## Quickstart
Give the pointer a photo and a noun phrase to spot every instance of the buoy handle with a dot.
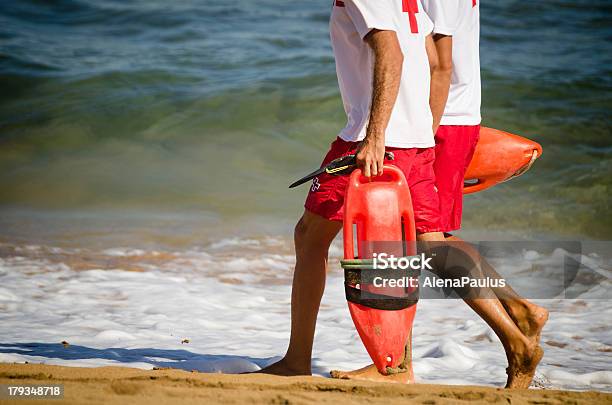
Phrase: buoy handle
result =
(391, 174)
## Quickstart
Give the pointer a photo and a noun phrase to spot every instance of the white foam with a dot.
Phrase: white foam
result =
(234, 242)
(8, 296)
(189, 312)
(114, 336)
(123, 252)
(595, 378)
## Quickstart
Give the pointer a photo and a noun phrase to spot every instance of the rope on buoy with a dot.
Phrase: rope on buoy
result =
(404, 365)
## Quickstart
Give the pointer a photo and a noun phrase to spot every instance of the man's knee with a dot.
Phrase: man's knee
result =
(300, 232)
(314, 234)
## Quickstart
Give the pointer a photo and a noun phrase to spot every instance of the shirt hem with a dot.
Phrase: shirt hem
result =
(393, 144)
(443, 31)
(460, 120)
(376, 27)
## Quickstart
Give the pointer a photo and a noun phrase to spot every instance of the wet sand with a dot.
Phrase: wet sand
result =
(114, 385)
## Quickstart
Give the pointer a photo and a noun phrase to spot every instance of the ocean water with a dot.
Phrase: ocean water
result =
(211, 108)
(145, 152)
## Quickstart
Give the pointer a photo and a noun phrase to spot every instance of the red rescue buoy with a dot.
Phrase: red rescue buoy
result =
(380, 210)
(499, 156)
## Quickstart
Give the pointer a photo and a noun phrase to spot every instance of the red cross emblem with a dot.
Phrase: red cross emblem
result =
(411, 7)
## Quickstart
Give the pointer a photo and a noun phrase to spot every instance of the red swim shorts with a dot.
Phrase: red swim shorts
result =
(326, 195)
(455, 146)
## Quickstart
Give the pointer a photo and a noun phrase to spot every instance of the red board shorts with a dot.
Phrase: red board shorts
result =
(326, 195)
(455, 146)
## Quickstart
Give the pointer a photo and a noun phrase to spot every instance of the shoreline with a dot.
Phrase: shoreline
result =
(113, 385)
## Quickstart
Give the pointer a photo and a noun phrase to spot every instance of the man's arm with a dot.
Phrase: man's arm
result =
(388, 61)
(440, 54)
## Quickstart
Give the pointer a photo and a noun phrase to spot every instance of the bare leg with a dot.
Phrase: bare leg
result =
(313, 235)
(523, 354)
(529, 317)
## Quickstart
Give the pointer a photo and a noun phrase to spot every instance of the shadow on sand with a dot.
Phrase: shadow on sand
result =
(180, 359)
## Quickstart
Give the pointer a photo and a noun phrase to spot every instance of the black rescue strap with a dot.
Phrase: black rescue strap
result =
(361, 271)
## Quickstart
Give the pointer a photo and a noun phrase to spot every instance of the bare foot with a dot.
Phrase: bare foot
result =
(370, 373)
(523, 366)
(281, 367)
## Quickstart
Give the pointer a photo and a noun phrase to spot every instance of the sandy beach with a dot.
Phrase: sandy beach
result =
(113, 385)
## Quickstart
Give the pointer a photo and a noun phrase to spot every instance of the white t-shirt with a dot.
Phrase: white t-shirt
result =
(411, 119)
(461, 20)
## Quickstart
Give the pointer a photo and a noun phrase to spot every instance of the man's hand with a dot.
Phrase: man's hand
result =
(388, 61)
(371, 155)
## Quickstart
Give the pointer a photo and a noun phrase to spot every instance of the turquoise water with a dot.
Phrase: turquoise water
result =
(210, 109)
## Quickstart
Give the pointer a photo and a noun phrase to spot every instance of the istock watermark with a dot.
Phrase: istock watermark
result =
(483, 269)
(384, 261)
